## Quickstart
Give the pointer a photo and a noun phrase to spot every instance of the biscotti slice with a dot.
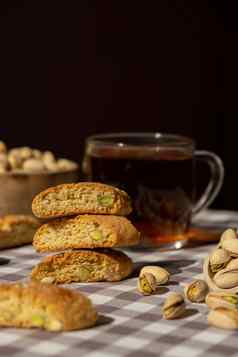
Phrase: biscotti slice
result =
(85, 231)
(44, 306)
(83, 266)
(16, 230)
(81, 198)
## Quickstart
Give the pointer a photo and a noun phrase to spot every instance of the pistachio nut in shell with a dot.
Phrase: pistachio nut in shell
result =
(161, 275)
(221, 299)
(233, 264)
(208, 277)
(226, 278)
(196, 291)
(231, 245)
(219, 259)
(146, 284)
(226, 235)
(223, 318)
(174, 306)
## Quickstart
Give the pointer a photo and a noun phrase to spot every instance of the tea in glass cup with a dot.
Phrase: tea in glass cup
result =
(159, 172)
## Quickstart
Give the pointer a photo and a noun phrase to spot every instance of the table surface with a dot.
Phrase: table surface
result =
(130, 324)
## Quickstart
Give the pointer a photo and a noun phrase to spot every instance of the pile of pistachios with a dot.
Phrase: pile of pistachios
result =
(153, 277)
(220, 271)
(221, 267)
(27, 160)
(221, 278)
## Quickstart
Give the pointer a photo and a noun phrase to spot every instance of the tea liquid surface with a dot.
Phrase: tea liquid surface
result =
(161, 185)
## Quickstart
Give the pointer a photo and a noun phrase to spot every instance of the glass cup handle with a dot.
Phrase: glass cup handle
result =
(217, 177)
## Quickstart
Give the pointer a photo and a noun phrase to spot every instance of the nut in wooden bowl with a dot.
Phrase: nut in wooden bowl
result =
(24, 172)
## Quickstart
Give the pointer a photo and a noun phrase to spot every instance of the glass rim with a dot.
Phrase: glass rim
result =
(174, 141)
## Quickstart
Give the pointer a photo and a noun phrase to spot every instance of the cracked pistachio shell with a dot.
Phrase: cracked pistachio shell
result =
(174, 306)
(37, 154)
(218, 259)
(231, 245)
(25, 152)
(65, 164)
(15, 162)
(233, 264)
(220, 299)
(226, 278)
(196, 291)
(33, 165)
(223, 318)
(228, 234)
(209, 278)
(161, 275)
(146, 284)
(48, 156)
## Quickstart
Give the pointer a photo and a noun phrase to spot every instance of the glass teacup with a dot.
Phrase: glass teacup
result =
(159, 172)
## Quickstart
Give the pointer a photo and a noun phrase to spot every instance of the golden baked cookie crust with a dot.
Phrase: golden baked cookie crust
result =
(16, 230)
(85, 231)
(83, 266)
(81, 198)
(44, 306)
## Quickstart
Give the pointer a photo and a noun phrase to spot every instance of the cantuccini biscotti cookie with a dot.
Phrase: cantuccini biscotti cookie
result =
(83, 266)
(44, 306)
(85, 231)
(81, 198)
(17, 230)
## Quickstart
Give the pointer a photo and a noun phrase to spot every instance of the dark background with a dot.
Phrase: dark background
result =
(73, 68)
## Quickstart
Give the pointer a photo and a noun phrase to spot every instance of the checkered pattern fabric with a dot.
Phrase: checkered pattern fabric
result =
(130, 324)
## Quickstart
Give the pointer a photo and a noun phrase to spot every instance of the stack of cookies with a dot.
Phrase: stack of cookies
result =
(88, 220)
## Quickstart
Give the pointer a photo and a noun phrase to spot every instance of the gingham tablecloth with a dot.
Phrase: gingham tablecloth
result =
(130, 324)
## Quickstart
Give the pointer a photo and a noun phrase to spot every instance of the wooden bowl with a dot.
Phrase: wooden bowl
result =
(17, 189)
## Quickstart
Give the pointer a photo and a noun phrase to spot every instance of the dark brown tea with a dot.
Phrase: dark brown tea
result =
(159, 172)
(161, 184)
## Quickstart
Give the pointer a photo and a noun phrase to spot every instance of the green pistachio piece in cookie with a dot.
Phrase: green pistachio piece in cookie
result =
(105, 200)
(38, 320)
(83, 273)
(96, 235)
